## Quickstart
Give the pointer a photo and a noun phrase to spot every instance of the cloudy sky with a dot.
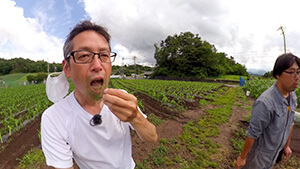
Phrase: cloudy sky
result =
(246, 30)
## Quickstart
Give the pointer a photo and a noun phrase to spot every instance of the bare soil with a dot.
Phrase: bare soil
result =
(19, 143)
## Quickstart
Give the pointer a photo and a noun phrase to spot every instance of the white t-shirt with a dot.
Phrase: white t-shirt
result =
(66, 133)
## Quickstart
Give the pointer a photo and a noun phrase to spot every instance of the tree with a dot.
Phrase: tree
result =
(186, 55)
(268, 74)
(5, 67)
(38, 78)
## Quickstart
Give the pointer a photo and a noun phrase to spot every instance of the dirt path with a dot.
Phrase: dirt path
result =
(227, 130)
(19, 145)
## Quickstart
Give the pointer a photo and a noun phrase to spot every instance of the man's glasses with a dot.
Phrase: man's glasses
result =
(294, 74)
(83, 56)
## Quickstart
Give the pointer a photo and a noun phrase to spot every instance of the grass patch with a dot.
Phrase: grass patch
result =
(155, 119)
(33, 159)
(289, 164)
(248, 108)
(230, 77)
(248, 118)
(202, 103)
(238, 141)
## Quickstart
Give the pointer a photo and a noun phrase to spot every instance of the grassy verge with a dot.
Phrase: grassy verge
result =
(34, 159)
(194, 148)
(230, 77)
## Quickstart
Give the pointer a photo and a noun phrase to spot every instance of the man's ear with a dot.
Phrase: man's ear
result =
(66, 68)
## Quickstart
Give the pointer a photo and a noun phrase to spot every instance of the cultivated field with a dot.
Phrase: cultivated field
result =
(200, 125)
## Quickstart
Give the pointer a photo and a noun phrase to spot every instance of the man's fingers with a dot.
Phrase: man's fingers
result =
(123, 114)
(119, 93)
(114, 100)
(125, 110)
(287, 153)
(110, 100)
(116, 97)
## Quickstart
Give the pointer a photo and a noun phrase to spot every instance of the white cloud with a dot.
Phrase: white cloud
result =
(126, 56)
(25, 37)
(258, 42)
(246, 30)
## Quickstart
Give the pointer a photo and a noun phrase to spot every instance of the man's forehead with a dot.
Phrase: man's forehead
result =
(90, 39)
(294, 67)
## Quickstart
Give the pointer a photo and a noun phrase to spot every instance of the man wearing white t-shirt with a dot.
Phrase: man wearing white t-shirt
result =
(92, 124)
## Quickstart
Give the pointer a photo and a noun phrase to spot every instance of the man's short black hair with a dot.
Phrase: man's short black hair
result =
(84, 25)
(283, 62)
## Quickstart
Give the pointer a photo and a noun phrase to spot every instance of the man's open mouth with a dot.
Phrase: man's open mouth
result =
(97, 82)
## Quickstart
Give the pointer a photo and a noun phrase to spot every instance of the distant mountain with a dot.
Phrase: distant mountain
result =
(259, 72)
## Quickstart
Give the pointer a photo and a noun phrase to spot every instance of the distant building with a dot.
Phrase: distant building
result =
(147, 74)
(115, 76)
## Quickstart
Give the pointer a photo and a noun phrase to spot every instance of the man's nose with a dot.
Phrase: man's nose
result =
(297, 75)
(97, 63)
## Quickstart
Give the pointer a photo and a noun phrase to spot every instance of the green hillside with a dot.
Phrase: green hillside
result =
(16, 77)
(13, 79)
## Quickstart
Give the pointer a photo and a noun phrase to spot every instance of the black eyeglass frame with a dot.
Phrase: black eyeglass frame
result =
(294, 74)
(112, 56)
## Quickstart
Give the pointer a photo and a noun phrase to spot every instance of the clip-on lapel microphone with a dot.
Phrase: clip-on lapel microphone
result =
(96, 120)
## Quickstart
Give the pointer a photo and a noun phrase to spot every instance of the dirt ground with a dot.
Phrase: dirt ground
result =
(19, 143)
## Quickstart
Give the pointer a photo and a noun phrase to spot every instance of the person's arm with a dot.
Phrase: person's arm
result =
(260, 118)
(124, 106)
(57, 153)
(145, 129)
(287, 150)
(241, 160)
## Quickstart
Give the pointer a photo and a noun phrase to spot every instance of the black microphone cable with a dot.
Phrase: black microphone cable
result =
(96, 120)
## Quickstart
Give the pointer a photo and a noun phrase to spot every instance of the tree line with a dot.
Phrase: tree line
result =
(186, 55)
(21, 65)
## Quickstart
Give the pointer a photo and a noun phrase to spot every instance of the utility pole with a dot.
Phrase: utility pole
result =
(281, 28)
(134, 59)
(122, 73)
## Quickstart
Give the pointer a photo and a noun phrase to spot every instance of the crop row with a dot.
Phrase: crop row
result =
(16, 99)
(174, 94)
(184, 89)
(258, 86)
(20, 105)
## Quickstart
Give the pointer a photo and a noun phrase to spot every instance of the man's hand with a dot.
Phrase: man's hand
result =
(123, 105)
(287, 152)
(240, 162)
